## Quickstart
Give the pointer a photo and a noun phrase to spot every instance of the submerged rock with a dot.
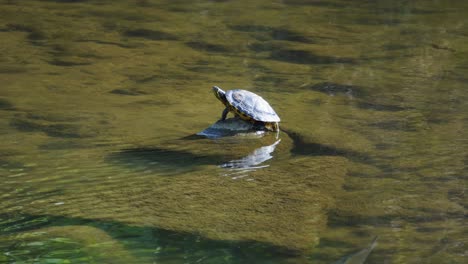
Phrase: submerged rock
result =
(88, 237)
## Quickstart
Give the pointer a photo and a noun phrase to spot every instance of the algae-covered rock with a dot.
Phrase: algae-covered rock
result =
(284, 207)
(97, 244)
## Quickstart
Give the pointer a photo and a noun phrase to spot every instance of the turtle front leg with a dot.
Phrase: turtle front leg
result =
(224, 115)
(276, 126)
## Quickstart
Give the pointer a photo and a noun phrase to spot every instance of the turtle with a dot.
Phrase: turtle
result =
(249, 107)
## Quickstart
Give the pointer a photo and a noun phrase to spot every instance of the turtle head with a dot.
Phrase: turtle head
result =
(220, 94)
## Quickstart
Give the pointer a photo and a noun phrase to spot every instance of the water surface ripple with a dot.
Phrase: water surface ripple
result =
(101, 101)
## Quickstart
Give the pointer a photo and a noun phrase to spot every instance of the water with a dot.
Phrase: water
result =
(100, 100)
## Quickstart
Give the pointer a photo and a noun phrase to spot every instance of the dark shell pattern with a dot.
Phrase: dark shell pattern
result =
(252, 105)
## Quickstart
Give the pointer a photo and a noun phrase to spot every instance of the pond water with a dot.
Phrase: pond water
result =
(100, 101)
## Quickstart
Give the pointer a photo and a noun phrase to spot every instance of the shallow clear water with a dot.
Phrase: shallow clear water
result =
(99, 102)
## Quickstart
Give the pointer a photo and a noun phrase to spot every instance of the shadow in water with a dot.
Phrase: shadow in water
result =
(6, 105)
(175, 161)
(149, 34)
(306, 57)
(240, 150)
(302, 147)
(170, 162)
(263, 32)
(110, 241)
(207, 47)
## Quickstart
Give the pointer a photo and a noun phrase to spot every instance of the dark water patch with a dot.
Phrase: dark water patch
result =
(458, 195)
(380, 107)
(424, 229)
(378, 20)
(264, 46)
(62, 145)
(386, 58)
(390, 171)
(317, 3)
(149, 34)
(132, 92)
(61, 51)
(398, 10)
(361, 175)
(14, 223)
(395, 125)
(307, 57)
(180, 8)
(52, 117)
(12, 69)
(65, 131)
(113, 16)
(268, 33)
(396, 46)
(7, 164)
(35, 35)
(66, 1)
(158, 159)
(285, 34)
(333, 89)
(37, 38)
(154, 102)
(19, 27)
(25, 126)
(142, 78)
(6, 105)
(251, 28)
(302, 147)
(102, 42)
(64, 52)
(68, 62)
(442, 47)
(208, 47)
(337, 220)
(52, 130)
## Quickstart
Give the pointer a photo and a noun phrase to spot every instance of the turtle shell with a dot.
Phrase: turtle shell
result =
(251, 105)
